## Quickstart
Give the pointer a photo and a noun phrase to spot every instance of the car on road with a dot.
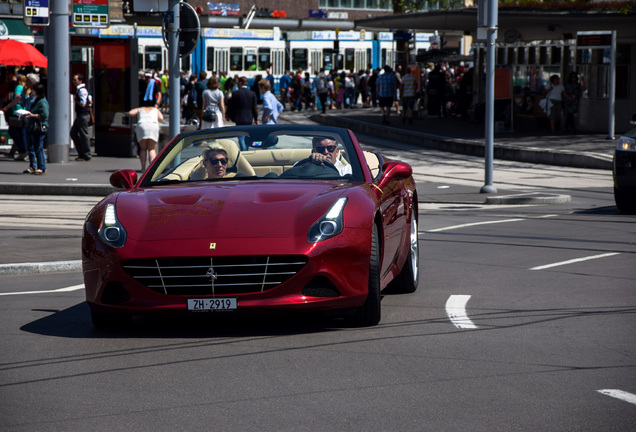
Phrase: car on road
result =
(302, 219)
(624, 171)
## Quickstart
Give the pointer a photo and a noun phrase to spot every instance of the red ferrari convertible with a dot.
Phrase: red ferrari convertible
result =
(254, 218)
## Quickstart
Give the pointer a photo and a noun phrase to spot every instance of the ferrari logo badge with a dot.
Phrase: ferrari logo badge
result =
(212, 245)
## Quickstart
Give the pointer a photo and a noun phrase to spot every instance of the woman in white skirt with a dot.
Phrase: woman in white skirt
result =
(213, 102)
(147, 131)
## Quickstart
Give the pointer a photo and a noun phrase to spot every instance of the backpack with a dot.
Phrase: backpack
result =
(322, 86)
(192, 97)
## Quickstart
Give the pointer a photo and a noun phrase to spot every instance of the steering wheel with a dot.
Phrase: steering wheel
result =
(309, 168)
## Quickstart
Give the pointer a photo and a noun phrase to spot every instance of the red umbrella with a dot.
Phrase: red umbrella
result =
(14, 53)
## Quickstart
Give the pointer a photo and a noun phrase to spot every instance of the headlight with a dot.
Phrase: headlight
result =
(626, 144)
(328, 225)
(111, 231)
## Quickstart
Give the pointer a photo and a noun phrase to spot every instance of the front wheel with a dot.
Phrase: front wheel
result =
(408, 279)
(625, 203)
(369, 313)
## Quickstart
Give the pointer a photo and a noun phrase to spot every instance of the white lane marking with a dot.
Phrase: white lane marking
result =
(543, 267)
(456, 311)
(474, 224)
(619, 394)
(67, 289)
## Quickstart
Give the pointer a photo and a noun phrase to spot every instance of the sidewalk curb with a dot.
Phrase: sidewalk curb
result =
(55, 189)
(44, 267)
(467, 147)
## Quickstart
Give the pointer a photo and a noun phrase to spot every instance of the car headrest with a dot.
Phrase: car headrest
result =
(232, 150)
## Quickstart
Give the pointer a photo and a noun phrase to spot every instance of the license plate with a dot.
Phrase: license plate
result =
(213, 304)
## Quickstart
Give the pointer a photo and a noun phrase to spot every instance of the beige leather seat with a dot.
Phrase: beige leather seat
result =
(236, 162)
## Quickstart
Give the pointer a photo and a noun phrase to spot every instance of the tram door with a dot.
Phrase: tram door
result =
(278, 62)
(360, 60)
(316, 61)
(222, 60)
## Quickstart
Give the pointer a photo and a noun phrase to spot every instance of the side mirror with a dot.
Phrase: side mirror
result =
(394, 171)
(124, 179)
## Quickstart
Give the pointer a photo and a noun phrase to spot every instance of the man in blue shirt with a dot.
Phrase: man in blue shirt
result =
(284, 87)
(271, 107)
(386, 85)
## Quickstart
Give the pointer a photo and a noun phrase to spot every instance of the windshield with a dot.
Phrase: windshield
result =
(253, 152)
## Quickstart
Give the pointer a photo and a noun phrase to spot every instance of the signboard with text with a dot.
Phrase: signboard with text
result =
(90, 13)
(36, 12)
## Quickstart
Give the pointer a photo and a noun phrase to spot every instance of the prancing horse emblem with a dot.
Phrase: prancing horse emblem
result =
(211, 274)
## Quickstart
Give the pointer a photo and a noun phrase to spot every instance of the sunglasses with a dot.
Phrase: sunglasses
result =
(321, 149)
(222, 161)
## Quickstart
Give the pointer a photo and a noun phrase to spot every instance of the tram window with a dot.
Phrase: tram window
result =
(359, 4)
(264, 58)
(327, 58)
(511, 56)
(532, 55)
(153, 58)
(209, 59)
(185, 63)
(299, 59)
(555, 55)
(543, 55)
(249, 59)
(236, 59)
(350, 59)
(501, 56)
(521, 55)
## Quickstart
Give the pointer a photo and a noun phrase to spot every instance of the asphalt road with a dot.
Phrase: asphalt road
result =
(524, 320)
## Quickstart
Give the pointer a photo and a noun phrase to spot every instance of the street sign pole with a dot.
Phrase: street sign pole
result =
(58, 94)
(174, 68)
(491, 35)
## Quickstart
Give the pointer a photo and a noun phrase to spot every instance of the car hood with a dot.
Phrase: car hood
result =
(229, 209)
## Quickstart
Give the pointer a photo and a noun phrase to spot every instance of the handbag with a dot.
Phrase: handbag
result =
(37, 127)
(209, 115)
(15, 121)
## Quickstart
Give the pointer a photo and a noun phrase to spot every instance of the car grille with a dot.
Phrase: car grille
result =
(214, 275)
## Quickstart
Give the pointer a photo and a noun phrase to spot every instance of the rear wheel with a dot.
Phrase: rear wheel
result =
(408, 279)
(369, 313)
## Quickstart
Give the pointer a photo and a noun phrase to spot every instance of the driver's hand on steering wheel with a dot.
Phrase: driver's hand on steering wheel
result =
(319, 158)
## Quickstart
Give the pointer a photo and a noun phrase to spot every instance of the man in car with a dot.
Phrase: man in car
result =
(326, 149)
(215, 161)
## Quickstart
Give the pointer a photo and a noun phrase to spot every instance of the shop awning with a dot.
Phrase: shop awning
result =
(13, 28)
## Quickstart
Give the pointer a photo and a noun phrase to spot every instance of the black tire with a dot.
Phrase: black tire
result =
(104, 320)
(408, 279)
(625, 203)
(369, 313)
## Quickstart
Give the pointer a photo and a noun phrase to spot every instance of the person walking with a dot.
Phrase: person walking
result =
(554, 96)
(38, 115)
(213, 105)
(271, 107)
(573, 92)
(407, 91)
(200, 86)
(386, 88)
(79, 130)
(283, 84)
(29, 103)
(147, 132)
(16, 123)
(320, 84)
(243, 109)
